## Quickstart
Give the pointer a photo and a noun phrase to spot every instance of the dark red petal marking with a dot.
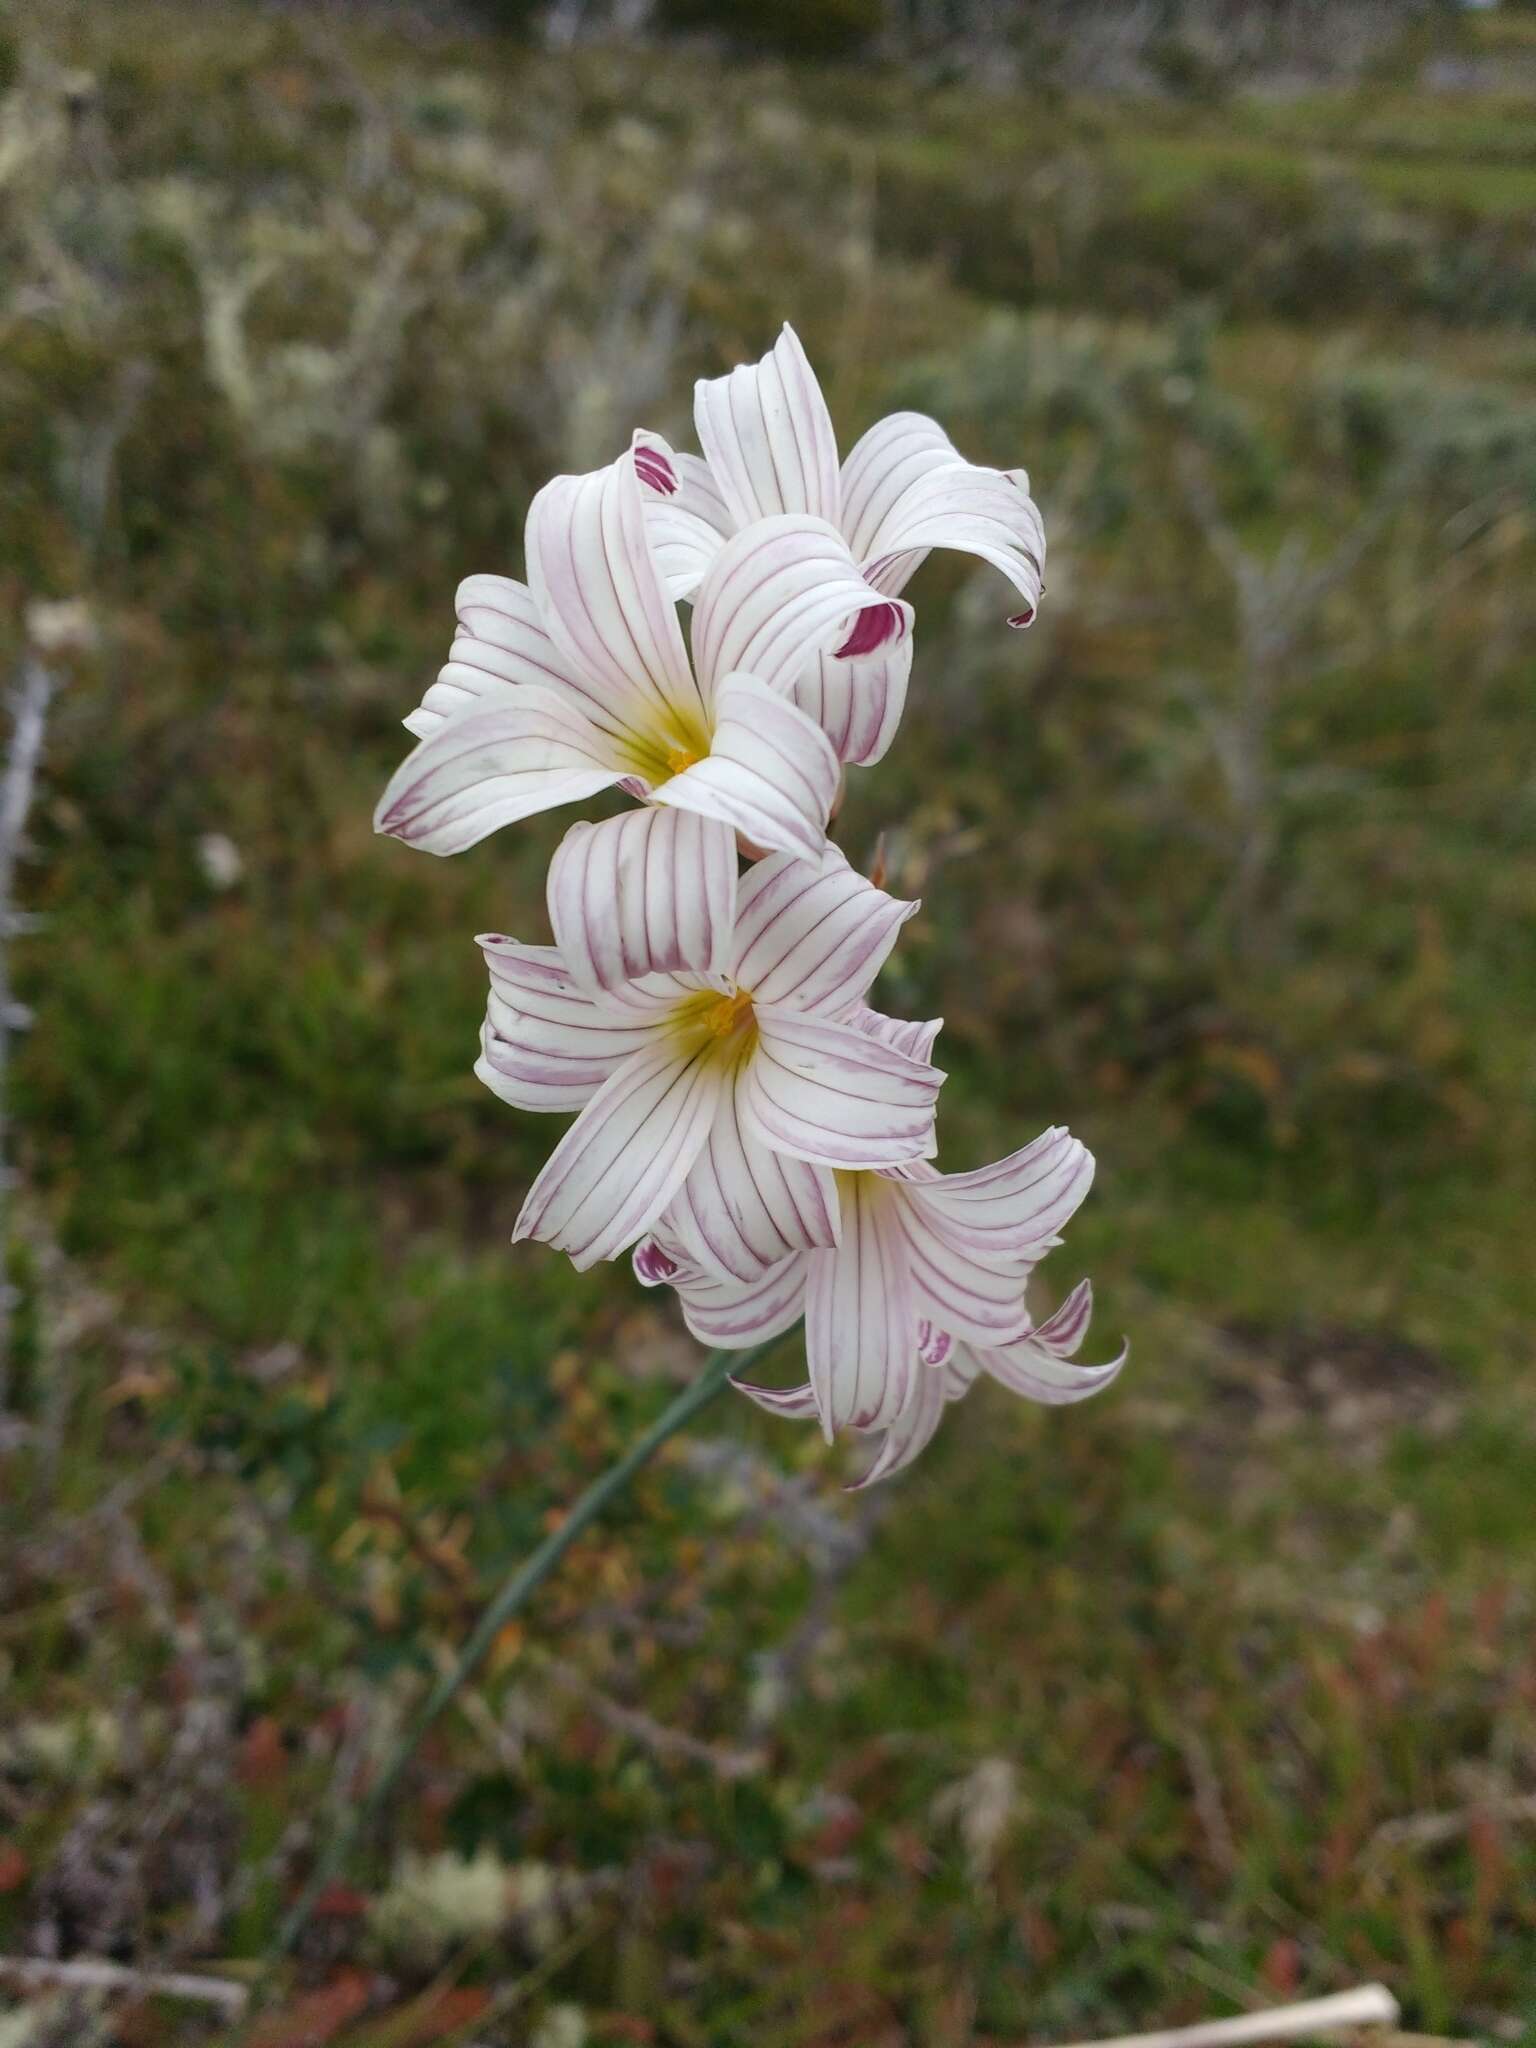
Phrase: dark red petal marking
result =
(1023, 618)
(876, 624)
(652, 1265)
(653, 468)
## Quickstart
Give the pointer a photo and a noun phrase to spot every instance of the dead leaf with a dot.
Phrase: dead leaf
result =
(318, 2017)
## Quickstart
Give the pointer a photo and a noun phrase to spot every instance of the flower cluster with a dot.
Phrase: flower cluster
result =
(746, 1122)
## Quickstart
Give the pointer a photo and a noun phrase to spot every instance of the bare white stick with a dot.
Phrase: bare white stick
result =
(86, 1974)
(1370, 2005)
(29, 705)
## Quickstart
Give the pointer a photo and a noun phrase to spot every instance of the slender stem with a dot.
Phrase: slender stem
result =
(514, 1595)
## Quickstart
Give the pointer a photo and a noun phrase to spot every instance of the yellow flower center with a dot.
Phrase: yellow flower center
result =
(728, 1014)
(679, 758)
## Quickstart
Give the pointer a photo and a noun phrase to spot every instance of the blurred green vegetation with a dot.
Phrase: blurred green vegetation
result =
(1095, 1721)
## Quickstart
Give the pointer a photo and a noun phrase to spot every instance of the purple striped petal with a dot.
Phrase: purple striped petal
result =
(798, 1404)
(490, 768)
(626, 1155)
(546, 1043)
(1013, 1209)
(1037, 1374)
(769, 774)
(964, 1292)
(685, 515)
(603, 598)
(652, 891)
(733, 1314)
(858, 704)
(743, 1208)
(812, 937)
(1063, 1332)
(822, 1091)
(915, 1040)
(501, 642)
(907, 488)
(859, 1318)
(911, 1432)
(782, 591)
(768, 437)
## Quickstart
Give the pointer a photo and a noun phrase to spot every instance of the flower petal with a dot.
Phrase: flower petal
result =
(602, 596)
(955, 1285)
(915, 1040)
(798, 1404)
(812, 937)
(743, 1208)
(625, 1156)
(857, 703)
(501, 642)
(1063, 1332)
(782, 591)
(651, 891)
(546, 1044)
(769, 774)
(685, 515)
(822, 1091)
(490, 768)
(911, 1432)
(1011, 1210)
(733, 1314)
(1028, 1368)
(907, 488)
(859, 1322)
(768, 436)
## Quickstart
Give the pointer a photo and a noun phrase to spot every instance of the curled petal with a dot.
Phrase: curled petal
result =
(736, 1314)
(1063, 1332)
(1038, 1374)
(915, 1040)
(857, 703)
(859, 1319)
(743, 1208)
(546, 1044)
(685, 515)
(812, 936)
(768, 437)
(1012, 1210)
(911, 1432)
(769, 774)
(501, 642)
(906, 488)
(486, 769)
(956, 1286)
(822, 1091)
(782, 591)
(652, 891)
(798, 1404)
(625, 1156)
(607, 608)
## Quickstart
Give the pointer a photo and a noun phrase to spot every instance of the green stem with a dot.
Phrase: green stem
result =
(512, 1598)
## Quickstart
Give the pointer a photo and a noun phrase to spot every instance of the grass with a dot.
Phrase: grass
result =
(1095, 1721)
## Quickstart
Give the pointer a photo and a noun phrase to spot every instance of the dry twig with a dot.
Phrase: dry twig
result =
(1369, 2005)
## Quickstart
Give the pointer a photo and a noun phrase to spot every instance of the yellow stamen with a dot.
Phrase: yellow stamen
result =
(679, 758)
(729, 1014)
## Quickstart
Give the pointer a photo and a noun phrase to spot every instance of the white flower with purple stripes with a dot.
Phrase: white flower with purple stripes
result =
(1037, 1367)
(580, 680)
(922, 1260)
(770, 450)
(725, 1099)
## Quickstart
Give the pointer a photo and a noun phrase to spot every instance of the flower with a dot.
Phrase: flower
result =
(1036, 1366)
(770, 449)
(923, 1259)
(580, 680)
(733, 1096)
